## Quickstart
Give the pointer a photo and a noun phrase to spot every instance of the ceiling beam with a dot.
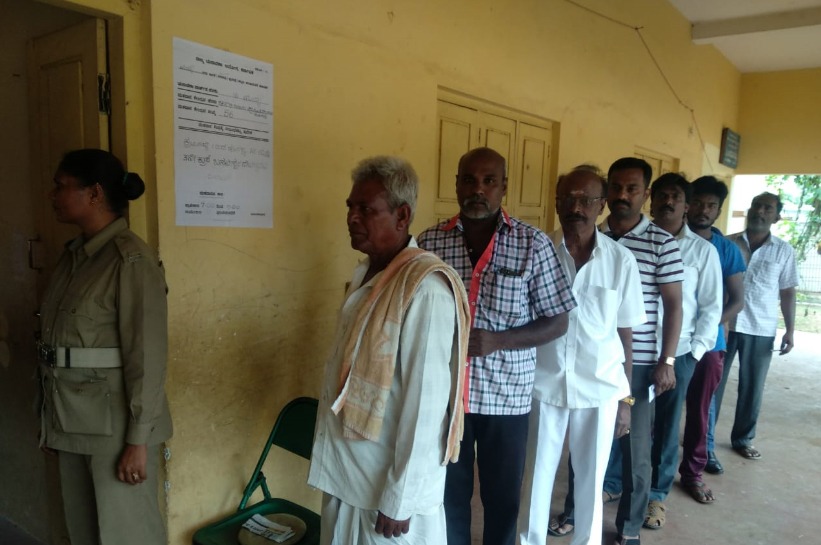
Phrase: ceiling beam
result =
(706, 31)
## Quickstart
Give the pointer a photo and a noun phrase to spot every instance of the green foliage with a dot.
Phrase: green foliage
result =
(804, 191)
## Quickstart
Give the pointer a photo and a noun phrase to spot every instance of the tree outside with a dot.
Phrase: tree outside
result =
(803, 191)
(801, 227)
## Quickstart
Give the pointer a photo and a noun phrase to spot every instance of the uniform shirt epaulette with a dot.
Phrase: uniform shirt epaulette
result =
(131, 248)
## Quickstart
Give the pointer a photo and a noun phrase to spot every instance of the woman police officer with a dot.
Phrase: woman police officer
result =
(103, 358)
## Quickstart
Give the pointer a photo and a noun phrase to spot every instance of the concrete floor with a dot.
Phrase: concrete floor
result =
(12, 535)
(767, 501)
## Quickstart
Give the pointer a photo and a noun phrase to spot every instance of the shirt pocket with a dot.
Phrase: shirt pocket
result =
(598, 307)
(764, 277)
(507, 293)
(82, 406)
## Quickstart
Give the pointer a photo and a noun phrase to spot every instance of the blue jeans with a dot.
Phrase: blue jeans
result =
(666, 426)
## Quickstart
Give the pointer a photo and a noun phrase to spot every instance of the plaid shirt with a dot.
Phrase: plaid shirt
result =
(517, 279)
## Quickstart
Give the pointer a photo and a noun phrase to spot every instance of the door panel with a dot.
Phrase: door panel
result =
(534, 152)
(65, 115)
(525, 145)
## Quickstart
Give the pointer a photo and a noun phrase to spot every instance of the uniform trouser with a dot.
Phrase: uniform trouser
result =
(590, 436)
(666, 427)
(101, 510)
(703, 385)
(501, 442)
(633, 503)
(754, 357)
(344, 524)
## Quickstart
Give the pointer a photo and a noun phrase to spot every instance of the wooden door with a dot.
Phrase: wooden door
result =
(532, 192)
(67, 72)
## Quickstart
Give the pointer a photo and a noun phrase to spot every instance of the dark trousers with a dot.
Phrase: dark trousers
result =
(754, 356)
(500, 448)
(633, 503)
(706, 378)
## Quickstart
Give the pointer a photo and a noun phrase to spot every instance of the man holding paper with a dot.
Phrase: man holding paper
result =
(390, 411)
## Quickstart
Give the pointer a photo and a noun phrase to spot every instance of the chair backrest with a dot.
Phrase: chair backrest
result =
(294, 428)
(293, 431)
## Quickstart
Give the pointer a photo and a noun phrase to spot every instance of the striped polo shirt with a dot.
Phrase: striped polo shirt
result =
(659, 260)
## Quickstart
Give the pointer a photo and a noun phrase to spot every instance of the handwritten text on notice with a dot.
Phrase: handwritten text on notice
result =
(223, 138)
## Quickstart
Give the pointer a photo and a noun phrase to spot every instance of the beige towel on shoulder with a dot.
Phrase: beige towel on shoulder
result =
(369, 354)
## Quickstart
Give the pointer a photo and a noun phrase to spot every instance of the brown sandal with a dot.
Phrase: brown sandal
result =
(699, 492)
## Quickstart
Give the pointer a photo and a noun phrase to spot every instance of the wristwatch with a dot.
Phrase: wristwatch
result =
(669, 360)
(630, 400)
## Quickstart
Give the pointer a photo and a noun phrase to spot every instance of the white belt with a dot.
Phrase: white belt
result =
(64, 356)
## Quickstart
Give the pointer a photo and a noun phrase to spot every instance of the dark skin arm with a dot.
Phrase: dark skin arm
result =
(389, 527)
(538, 332)
(734, 300)
(788, 311)
(664, 376)
(623, 416)
(132, 462)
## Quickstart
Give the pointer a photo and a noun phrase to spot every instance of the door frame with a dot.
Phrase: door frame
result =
(132, 102)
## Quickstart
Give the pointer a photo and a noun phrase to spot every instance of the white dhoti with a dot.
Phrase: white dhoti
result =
(343, 524)
(590, 439)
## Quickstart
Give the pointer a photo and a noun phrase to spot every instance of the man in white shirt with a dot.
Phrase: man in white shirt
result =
(581, 376)
(701, 296)
(384, 428)
(769, 282)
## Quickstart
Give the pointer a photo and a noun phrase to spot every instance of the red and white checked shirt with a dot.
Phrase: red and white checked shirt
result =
(517, 279)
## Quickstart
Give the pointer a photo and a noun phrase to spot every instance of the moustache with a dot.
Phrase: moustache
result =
(615, 203)
(571, 217)
(475, 200)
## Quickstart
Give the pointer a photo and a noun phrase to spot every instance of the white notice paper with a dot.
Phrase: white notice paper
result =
(270, 530)
(223, 138)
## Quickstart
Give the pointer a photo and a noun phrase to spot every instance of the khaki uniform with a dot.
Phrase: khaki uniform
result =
(108, 292)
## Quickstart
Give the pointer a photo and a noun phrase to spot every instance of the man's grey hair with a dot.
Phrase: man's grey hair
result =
(397, 175)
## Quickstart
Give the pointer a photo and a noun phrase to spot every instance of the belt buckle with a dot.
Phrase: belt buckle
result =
(46, 353)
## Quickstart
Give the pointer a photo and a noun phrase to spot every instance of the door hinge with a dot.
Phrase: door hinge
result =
(104, 93)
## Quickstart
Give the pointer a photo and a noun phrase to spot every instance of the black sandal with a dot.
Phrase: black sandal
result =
(554, 527)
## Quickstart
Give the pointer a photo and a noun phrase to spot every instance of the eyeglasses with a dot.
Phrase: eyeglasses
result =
(586, 202)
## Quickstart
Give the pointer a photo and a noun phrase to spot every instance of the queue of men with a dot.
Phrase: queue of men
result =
(487, 342)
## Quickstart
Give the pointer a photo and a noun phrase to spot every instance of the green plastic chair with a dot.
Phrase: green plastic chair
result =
(293, 431)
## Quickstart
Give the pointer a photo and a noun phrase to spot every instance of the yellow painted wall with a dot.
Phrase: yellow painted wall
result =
(252, 310)
(779, 120)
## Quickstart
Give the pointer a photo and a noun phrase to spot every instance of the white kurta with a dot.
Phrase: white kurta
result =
(401, 474)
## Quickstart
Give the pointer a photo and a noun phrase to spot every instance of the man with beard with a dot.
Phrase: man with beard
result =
(770, 281)
(519, 299)
(701, 311)
(581, 376)
(705, 207)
